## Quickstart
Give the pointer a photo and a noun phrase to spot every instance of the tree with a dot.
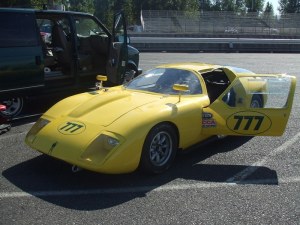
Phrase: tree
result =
(269, 9)
(81, 6)
(254, 5)
(105, 10)
(268, 12)
(228, 5)
(205, 5)
(289, 6)
(183, 5)
(15, 3)
(217, 5)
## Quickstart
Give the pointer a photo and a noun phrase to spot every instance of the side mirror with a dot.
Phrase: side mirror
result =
(181, 88)
(100, 78)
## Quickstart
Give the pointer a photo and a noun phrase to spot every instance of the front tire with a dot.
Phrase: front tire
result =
(14, 106)
(159, 149)
(129, 75)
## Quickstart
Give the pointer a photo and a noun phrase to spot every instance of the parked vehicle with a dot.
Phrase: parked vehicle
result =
(45, 52)
(144, 123)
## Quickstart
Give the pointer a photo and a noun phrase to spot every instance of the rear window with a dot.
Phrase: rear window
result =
(17, 29)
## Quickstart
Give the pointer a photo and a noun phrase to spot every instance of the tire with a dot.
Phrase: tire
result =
(129, 75)
(14, 106)
(159, 149)
(256, 102)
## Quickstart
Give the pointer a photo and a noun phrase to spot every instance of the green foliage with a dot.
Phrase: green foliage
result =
(183, 5)
(254, 5)
(15, 3)
(269, 8)
(105, 9)
(81, 6)
(268, 12)
(289, 6)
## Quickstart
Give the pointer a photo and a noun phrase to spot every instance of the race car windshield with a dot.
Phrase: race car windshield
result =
(161, 80)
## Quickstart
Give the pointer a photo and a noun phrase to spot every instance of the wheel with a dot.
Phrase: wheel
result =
(256, 102)
(159, 149)
(13, 107)
(129, 75)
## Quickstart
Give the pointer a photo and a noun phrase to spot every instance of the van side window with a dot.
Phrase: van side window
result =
(17, 30)
(92, 45)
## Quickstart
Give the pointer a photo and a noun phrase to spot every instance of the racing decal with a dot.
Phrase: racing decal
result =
(249, 123)
(208, 120)
(71, 128)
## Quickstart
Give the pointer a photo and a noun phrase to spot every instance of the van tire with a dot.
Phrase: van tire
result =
(14, 107)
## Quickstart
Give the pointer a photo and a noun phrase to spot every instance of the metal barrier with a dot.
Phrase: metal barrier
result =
(165, 21)
(174, 44)
(217, 32)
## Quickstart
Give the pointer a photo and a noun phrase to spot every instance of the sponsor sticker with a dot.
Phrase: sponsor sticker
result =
(208, 120)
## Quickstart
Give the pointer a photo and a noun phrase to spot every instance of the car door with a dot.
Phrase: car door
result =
(118, 51)
(252, 106)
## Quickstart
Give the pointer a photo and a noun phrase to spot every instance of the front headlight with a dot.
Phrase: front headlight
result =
(40, 124)
(101, 146)
(112, 141)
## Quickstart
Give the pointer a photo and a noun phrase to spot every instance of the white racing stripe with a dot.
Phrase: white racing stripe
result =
(239, 177)
(143, 189)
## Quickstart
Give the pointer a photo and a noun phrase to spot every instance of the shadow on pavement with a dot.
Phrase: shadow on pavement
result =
(91, 191)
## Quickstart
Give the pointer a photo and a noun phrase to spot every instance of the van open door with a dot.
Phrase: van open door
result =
(257, 105)
(118, 51)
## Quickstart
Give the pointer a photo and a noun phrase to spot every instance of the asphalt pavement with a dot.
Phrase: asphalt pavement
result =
(236, 180)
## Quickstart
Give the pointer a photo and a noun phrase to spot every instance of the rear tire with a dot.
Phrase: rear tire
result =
(159, 149)
(256, 102)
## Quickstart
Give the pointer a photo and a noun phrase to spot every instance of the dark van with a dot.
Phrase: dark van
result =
(57, 52)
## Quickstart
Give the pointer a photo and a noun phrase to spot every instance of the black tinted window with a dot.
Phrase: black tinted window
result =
(17, 29)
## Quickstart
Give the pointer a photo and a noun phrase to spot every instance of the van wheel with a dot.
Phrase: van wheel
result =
(13, 107)
(129, 75)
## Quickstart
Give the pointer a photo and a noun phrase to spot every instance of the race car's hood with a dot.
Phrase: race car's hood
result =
(101, 108)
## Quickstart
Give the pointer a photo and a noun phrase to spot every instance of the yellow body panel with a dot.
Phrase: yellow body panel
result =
(79, 128)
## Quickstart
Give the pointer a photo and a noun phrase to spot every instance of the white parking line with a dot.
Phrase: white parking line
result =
(239, 177)
(142, 189)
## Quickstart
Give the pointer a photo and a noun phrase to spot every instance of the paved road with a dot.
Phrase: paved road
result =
(237, 180)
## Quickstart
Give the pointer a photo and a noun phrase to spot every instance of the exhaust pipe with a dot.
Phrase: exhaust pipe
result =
(76, 169)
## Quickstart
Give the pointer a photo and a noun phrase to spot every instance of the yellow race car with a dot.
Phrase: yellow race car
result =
(144, 123)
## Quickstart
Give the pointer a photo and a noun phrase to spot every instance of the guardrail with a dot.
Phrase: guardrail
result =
(184, 44)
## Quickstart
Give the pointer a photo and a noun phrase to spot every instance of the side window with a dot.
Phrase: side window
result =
(92, 45)
(57, 44)
(216, 82)
(86, 27)
(259, 92)
(17, 29)
(45, 27)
